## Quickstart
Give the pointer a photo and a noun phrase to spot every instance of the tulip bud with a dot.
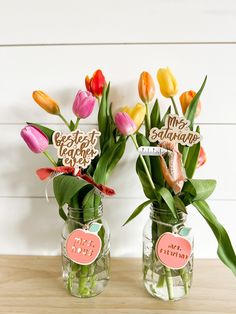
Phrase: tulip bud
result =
(185, 100)
(46, 102)
(167, 82)
(125, 124)
(137, 113)
(96, 83)
(201, 158)
(36, 140)
(146, 87)
(83, 104)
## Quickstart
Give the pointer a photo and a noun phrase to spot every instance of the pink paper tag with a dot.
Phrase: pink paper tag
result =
(83, 247)
(173, 250)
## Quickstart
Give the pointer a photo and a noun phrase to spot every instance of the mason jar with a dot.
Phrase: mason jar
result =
(167, 255)
(85, 248)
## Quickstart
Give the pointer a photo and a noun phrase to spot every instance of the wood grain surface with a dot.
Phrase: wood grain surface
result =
(32, 284)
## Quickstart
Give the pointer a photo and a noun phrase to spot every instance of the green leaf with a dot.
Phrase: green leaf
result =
(97, 200)
(142, 141)
(152, 162)
(192, 158)
(62, 214)
(91, 168)
(179, 204)
(157, 176)
(110, 113)
(72, 125)
(109, 160)
(155, 115)
(105, 122)
(109, 139)
(199, 189)
(89, 211)
(88, 200)
(65, 187)
(225, 249)
(192, 108)
(169, 200)
(103, 116)
(162, 123)
(118, 151)
(147, 188)
(90, 205)
(48, 132)
(137, 211)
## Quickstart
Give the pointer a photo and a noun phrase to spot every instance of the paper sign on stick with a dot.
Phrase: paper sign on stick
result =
(76, 149)
(176, 130)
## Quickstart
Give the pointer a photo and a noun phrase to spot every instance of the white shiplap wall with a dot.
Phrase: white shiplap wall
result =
(51, 45)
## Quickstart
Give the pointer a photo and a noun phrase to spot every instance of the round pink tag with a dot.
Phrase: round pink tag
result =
(83, 247)
(173, 250)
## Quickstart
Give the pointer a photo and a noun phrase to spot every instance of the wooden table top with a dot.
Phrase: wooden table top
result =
(32, 284)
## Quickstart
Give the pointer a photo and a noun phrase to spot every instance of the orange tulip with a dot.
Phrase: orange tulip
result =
(46, 102)
(202, 158)
(146, 87)
(185, 100)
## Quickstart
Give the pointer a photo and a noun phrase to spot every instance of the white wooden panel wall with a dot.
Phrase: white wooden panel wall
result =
(52, 45)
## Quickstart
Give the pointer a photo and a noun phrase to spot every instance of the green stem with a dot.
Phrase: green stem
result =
(167, 271)
(64, 120)
(69, 282)
(93, 278)
(98, 99)
(77, 123)
(161, 281)
(49, 157)
(169, 283)
(168, 275)
(147, 120)
(83, 280)
(144, 165)
(185, 279)
(174, 105)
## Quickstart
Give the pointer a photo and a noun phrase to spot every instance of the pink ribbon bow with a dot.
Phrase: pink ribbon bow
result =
(44, 173)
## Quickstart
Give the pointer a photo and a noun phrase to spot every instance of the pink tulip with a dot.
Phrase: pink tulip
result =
(125, 124)
(36, 140)
(83, 104)
(202, 158)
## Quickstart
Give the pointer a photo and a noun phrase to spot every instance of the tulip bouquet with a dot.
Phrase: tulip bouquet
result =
(83, 187)
(167, 180)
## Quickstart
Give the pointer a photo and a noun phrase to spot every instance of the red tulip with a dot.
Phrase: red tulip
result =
(96, 83)
(202, 158)
(36, 140)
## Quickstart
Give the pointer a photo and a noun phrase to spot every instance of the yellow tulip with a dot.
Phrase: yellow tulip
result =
(46, 102)
(167, 82)
(137, 113)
